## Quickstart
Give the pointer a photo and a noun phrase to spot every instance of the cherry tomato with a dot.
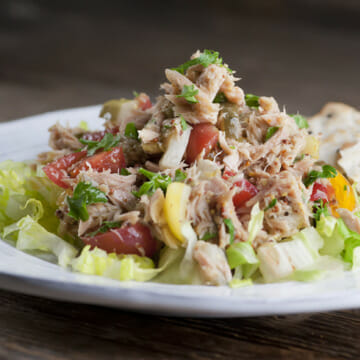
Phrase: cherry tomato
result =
(203, 136)
(98, 135)
(143, 101)
(322, 192)
(247, 191)
(129, 239)
(112, 160)
(228, 174)
(57, 170)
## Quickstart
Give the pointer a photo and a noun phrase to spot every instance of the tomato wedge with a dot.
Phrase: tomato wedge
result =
(98, 135)
(246, 191)
(57, 170)
(322, 192)
(112, 160)
(202, 137)
(129, 239)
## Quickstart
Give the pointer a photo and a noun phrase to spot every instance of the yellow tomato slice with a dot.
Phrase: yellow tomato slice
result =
(177, 197)
(344, 194)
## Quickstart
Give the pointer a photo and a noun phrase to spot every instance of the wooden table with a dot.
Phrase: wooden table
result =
(56, 55)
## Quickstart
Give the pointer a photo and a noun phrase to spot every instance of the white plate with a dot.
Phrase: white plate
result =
(23, 139)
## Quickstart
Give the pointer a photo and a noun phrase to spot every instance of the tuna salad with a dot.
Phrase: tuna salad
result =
(205, 185)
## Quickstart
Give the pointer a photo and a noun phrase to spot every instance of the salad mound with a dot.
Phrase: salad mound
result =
(207, 185)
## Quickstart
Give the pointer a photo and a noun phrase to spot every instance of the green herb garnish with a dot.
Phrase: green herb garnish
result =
(345, 187)
(105, 227)
(124, 172)
(188, 92)
(205, 59)
(300, 121)
(135, 93)
(106, 143)
(231, 230)
(270, 132)
(299, 158)
(131, 131)
(220, 98)
(273, 202)
(208, 236)
(183, 123)
(327, 172)
(156, 181)
(84, 194)
(320, 209)
(252, 100)
(179, 176)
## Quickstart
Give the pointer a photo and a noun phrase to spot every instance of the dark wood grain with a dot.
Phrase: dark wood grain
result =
(33, 328)
(62, 54)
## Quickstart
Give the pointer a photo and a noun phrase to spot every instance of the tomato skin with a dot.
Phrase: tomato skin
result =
(228, 174)
(203, 136)
(57, 170)
(112, 160)
(129, 239)
(98, 135)
(143, 102)
(248, 190)
(322, 192)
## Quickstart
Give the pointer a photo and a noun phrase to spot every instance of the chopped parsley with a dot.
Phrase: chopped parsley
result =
(84, 194)
(208, 236)
(231, 230)
(345, 187)
(135, 93)
(105, 227)
(124, 172)
(179, 176)
(299, 158)
(131, 131)
(273, 202)
(156, 181)
(300, 120)
(320, 208)
(220, 98)
(270, 132)
(206, 58)
(106, 143)
(183, 123)
(327, 172)
(188, 92)
(252, 100)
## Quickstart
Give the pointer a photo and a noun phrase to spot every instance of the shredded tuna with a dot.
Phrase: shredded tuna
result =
(213, 264)
(98, 213)
(351, 220)
(63, 138)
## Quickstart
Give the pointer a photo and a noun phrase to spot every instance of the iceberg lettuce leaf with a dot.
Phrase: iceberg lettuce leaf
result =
(32, 236)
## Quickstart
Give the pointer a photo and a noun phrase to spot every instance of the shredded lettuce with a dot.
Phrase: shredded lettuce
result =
(32, 236)
(255, 223)
(176, 268)
(241, 255)
(237, 283)
(21, 182)
(118, 267)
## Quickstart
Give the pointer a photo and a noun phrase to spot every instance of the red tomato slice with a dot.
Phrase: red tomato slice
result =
(228, 174)
(246, 192)
(57, 170)
(129, 239)
(203, 136)
(322, 192)
(143, 102)
(98, 135)
(112, 160)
